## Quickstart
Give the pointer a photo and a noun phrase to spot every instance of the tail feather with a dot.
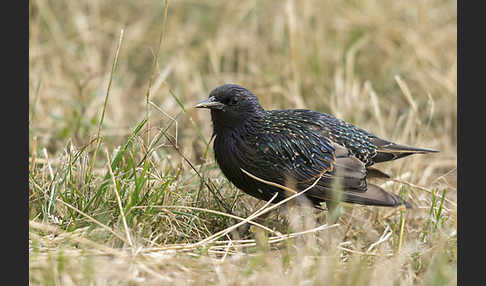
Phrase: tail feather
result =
(375, 196)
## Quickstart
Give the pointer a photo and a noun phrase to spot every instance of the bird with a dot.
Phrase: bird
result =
(260, 151)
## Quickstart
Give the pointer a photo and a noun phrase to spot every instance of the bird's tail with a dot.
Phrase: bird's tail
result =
(375, 196)
(387, 151)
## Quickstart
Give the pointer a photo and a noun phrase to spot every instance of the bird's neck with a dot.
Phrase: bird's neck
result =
(225, 125)
(234, 140)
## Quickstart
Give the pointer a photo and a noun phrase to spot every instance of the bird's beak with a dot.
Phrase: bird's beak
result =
(210, 103)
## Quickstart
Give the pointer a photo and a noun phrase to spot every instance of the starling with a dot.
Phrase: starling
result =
(299, 146)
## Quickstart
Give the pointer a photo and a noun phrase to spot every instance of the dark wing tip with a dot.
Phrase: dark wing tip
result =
(422, 150)
(399, 201)
(375, 173)
(385, 145)
(376, 196)
(407, 204)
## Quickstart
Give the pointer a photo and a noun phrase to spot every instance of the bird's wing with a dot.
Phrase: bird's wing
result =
(285, 152)
(299, 156)
(294, 146)
(347, 182)
(302, 155)
(387, 151)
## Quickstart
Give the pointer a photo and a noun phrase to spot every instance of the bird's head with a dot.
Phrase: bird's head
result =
(231, 105)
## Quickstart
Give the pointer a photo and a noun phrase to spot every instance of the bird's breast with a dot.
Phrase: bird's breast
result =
(233, 152)
(228, 156)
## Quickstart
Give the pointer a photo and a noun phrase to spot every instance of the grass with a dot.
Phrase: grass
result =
(124, 189)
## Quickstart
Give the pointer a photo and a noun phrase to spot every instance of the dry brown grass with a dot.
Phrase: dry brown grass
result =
(141, 218)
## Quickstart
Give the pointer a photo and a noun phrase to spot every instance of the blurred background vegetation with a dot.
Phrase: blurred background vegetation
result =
(389, 67)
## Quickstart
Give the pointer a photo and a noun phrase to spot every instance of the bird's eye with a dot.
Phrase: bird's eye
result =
(233, 100)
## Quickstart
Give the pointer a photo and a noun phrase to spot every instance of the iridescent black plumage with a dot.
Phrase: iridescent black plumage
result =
(298, 146)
